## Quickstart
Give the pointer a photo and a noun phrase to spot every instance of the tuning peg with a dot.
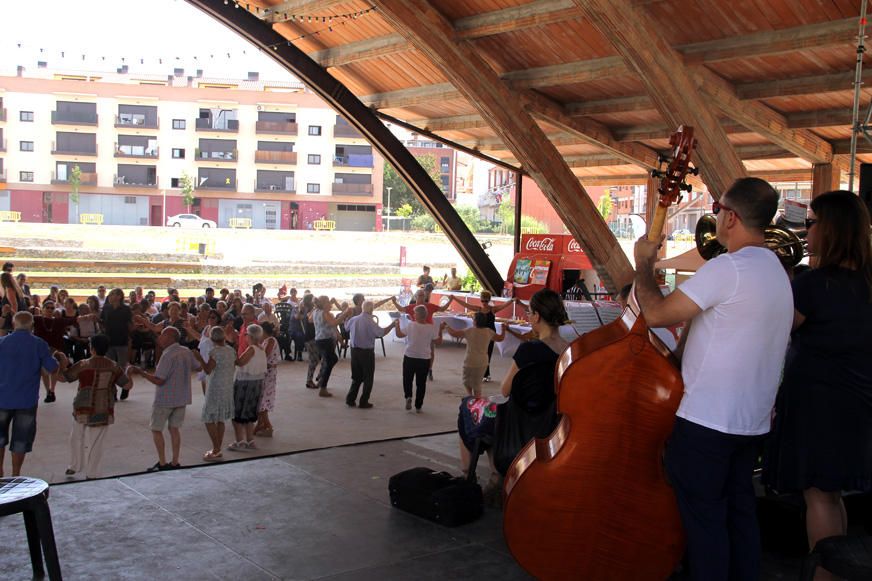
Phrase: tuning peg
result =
(694, 171)
(685, 187)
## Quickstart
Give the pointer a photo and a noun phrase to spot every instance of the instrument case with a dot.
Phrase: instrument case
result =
(437, 496)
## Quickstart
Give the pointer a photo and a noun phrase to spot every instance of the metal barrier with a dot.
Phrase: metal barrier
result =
(91, 219)
(188, 245)
(9, 216)
(240, 222)
(324, 225)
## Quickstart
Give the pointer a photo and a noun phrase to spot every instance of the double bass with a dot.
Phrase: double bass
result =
(591, 500)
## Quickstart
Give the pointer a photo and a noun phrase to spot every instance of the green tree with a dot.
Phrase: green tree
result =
(423, 222)
(605, 206)
(401, 193)
(405, 211)
(187, 183)
(75, 181)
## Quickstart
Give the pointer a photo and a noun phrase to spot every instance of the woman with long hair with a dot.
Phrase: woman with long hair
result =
(11, 294)
(822, 436)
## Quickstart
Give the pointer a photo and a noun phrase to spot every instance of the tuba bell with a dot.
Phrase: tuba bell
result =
(785, 239)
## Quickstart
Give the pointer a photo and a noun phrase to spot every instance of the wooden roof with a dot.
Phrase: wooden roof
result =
(790, 62)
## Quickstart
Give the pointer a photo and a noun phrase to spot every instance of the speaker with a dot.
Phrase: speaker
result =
(866, 185)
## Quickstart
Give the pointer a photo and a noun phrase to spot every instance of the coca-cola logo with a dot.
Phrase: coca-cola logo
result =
(573, 246)
(540, 244)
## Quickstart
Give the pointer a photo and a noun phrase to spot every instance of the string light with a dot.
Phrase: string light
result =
(328, 20)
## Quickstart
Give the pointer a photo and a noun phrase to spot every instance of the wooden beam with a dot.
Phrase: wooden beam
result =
(276, 13)
(825, 177)
(821, 118)
(455, 123)
(791, 175)
(662, 71)
(588, 130)
(530, 15)
(566, 74)
(461, 63)
(660, 131)
(772, 88)
(773, 42)
(843, 146)
(614, 105)
(352, 52)
(338, 97)
(412, 97)
(760, 118)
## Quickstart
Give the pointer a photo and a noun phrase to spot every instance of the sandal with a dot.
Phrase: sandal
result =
(237, 446)
(211, 456)
(250, 444)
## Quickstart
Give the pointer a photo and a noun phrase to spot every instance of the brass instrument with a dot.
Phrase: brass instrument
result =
(785, 239)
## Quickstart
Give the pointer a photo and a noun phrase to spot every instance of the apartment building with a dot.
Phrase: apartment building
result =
(442, 154)
(272, 154)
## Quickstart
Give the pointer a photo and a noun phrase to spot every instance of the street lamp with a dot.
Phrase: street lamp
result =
(389, 188)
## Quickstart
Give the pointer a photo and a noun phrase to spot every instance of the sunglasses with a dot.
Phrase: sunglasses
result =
(809, 222)
(717, 207)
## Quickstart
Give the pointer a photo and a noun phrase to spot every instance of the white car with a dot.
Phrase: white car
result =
(189, 221)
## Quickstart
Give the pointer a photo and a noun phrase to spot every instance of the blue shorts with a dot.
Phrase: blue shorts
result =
(23, 429)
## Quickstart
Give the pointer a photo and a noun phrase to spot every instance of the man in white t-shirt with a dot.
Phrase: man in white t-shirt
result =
(739, 308)
(420, 337)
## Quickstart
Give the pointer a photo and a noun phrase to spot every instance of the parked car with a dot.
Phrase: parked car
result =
(189, 221)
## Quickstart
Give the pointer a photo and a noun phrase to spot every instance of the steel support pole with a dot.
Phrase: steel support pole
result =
(364, 120)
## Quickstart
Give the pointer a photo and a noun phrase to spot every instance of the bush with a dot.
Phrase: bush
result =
(470, 283)
(423, 222)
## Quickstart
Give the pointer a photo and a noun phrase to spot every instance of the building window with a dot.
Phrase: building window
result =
(26, 116)
(178, 153)
(178, 123)
(129, 199)
(313, 188)
(314, 159)
(25, 176)
(314, 130)
(26, 145)
(175, 182)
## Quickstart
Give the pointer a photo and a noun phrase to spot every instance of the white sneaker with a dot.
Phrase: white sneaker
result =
(408, 403)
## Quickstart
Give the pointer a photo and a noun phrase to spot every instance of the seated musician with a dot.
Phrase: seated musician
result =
(546, 314)
(740, 310)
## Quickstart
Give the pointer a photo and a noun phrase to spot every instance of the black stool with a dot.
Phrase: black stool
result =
(846, 557)
(29, 496)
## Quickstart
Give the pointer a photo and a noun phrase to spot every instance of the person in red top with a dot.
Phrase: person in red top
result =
(51, 329)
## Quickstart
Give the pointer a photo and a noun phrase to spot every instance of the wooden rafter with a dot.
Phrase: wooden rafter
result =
(800, 86)
(761, 119)
(820, 118)
(662, 71)
(435, 36)
(276, 13)
(544, 12)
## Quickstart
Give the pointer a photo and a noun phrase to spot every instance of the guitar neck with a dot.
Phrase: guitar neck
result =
(657, 223)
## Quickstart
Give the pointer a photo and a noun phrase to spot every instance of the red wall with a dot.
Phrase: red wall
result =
(29, 203)
(535, 204)
(60, 208)
(209, 211)
(311, 211)
(379, 225)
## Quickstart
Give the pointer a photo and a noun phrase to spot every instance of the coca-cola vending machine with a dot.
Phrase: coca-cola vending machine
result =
(554, 261)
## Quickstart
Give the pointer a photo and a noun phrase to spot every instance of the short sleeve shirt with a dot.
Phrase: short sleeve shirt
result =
(117, 322)
(363, 331)
(477, 341)
(22, 357)
(175, 366)
(431, 309)
(419, 338)
(735, 348)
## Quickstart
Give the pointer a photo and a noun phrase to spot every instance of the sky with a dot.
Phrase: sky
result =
(151, 36)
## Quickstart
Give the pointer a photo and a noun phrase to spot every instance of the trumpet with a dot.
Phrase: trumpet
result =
(785, 239)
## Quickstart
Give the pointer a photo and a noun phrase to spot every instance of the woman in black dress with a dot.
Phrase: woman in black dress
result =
(822, 436)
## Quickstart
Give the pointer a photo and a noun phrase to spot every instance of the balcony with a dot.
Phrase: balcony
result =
(135, 151)
(288, 157)
(346, 131)
(2, 113)
(56, 151)
(223, 187)
(73, 118)
(230, 155)
(85, 179)
(279, 189)
(136, 121)
(283, 127)
(352, 160)
(205, 124)
(128, 182)
(2, 145)
(353, 189)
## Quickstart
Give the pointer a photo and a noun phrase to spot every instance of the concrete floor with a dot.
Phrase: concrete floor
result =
(302, 420)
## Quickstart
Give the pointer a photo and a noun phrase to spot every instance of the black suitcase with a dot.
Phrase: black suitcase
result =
(436, 496)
